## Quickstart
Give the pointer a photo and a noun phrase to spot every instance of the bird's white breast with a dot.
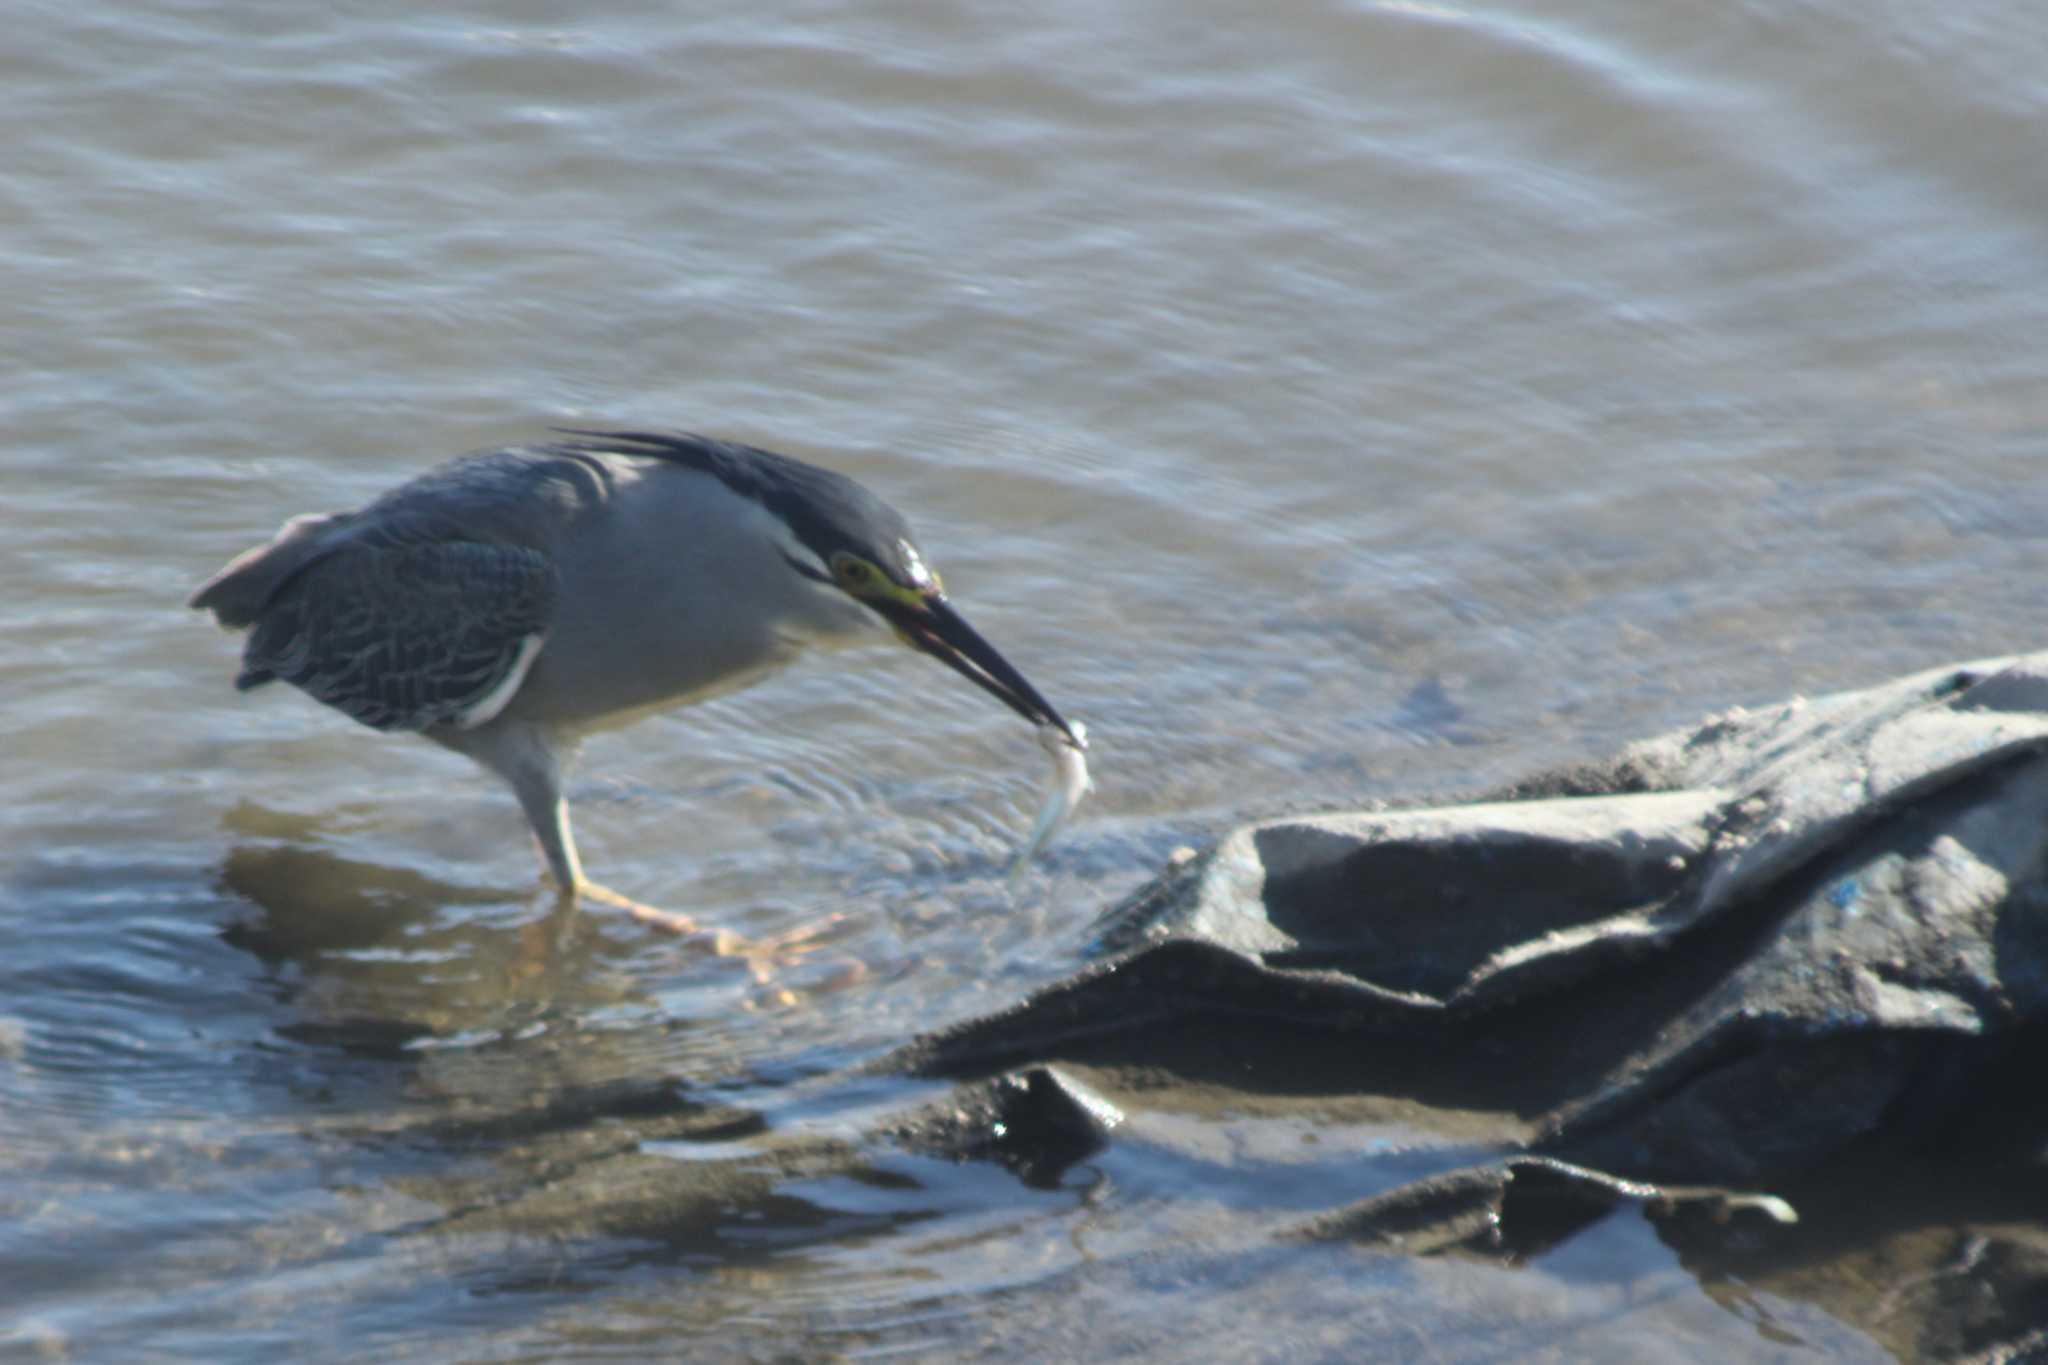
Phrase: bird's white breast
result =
(674, 589)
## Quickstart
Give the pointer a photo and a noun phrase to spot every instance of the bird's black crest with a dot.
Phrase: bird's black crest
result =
(827, 510)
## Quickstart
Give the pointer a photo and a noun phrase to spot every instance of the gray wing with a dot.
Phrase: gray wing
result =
(406, 636)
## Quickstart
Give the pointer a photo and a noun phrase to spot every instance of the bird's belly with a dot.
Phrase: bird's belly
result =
(570, 689)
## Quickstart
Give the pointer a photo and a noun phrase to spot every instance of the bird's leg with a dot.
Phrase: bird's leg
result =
(527, 761)
(565, 870)
(762, 957)
(668, 921)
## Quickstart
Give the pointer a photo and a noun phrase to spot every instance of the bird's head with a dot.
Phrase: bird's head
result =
(862, 547)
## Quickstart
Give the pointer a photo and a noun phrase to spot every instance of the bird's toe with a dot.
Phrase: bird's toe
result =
(767, 960)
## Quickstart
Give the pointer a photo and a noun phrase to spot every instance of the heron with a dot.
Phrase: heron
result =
(510, 602)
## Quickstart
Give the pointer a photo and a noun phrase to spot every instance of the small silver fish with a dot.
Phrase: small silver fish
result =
(1069, 782)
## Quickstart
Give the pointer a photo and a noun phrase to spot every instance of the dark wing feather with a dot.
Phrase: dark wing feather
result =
(405, 636)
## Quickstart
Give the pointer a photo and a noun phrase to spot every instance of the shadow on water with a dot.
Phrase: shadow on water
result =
(380, 958)
(424, 997)
(377, 958)
(520, 1069)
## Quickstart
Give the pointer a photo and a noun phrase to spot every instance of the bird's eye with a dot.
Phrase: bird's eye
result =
(853, 572)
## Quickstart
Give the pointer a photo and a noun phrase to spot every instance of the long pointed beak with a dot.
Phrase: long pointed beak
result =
(938, 630)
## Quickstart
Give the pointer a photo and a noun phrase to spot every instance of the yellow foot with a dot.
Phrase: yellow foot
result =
(762, 957)
(667, 920)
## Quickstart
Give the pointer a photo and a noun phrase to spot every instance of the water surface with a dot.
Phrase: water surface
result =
(1326, 403)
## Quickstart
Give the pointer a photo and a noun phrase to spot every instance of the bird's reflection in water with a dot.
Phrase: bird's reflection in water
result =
(392, 963)
(442, 1020)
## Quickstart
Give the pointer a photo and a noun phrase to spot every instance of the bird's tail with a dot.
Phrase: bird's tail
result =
(238, 593)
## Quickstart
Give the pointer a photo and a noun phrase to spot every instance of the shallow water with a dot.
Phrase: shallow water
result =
(1324, 404)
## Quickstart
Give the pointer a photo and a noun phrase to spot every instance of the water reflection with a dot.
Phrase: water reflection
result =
(394, 952)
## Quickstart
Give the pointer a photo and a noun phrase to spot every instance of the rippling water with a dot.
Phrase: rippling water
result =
(1323, 401)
